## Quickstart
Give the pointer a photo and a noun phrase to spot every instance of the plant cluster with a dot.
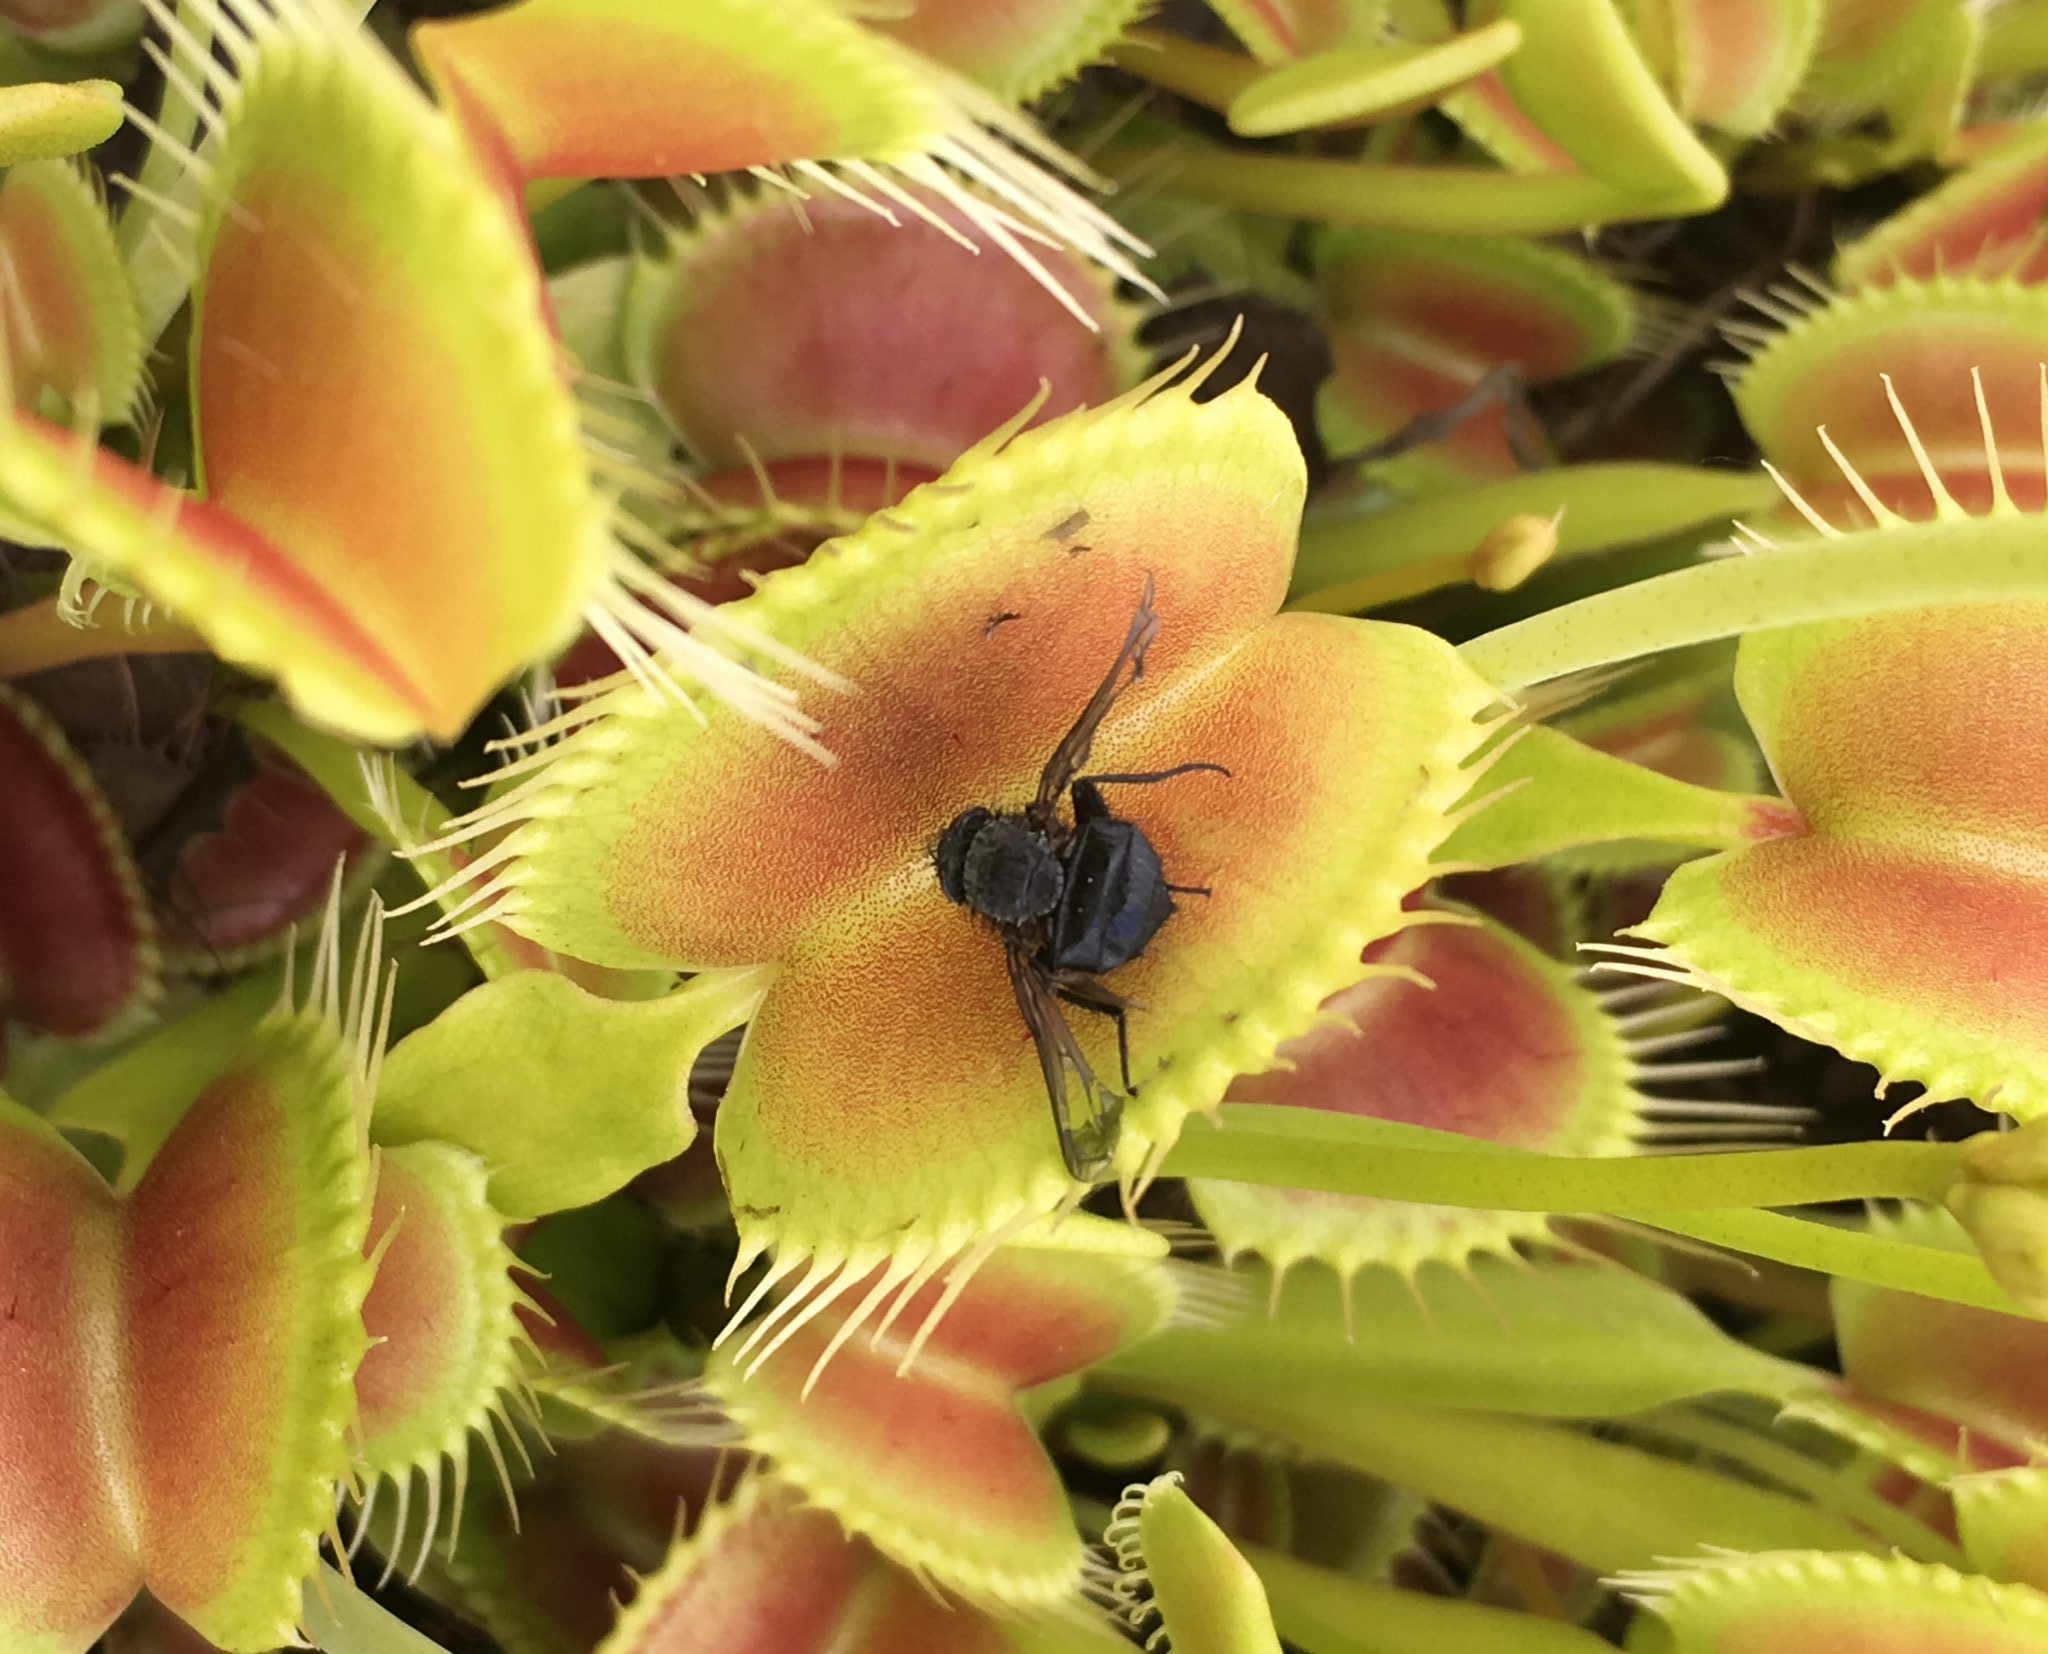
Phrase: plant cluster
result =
(630, 629)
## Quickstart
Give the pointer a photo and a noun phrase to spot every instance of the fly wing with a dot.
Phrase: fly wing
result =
(1089, 1144)
(1072, 752)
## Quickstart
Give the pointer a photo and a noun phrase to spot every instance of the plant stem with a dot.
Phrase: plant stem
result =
(1830, 1487)
(36, 637)
(1326, 1612)
(1352, 560)
(1604, 1504)
(1207, 75)
(1851, 1254)
(1393, 583)
(1905, 566)
(1344, 1154)
(1446, 199)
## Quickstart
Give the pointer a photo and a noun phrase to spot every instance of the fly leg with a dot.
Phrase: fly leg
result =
(1144, 778)
(1088, 993)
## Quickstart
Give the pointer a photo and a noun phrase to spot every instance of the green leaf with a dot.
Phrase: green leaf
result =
(1353, 1155)
(565, 1096)
(1332, 1613)
(1455, 199)
(1899, 566)
(1580, 77)
(1549, 793)
(1363, 82)
(1352, 559)
(1602, 1504)
(344, 1621)
(1553, 1339)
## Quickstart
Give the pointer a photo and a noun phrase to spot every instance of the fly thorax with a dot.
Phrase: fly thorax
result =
(1011, 874)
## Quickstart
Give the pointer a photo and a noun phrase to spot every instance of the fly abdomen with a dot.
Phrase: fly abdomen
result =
(1116, 898)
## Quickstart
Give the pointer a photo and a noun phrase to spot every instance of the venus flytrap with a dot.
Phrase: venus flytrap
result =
(1015, 537)
(131, 1102)
(239, 893)
(231, 1266)
(1729, 67)
(69, 326)
(1019, 53)
(1467, 1027)
(300, 1276)
(78, 944)
(2001, 1519)
(841, 107)
(1832, 1601)
(1978, 223)
(1911, 63)
(158, 229)
(386, 803)
(449, 1351)
(73, 29)
(1575, 109)
(471, 1142)
(1415, 324)
(835, 373)
(763, 1570)
(831, 417)
(1955, 1366)
(1581, 77)
(352, 598)
(451, 1329)
(894, 1402)
(302, 82)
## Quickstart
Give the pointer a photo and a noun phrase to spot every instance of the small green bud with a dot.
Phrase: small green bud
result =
(2001, 1200)
(1515, 548)
(1206, 1596)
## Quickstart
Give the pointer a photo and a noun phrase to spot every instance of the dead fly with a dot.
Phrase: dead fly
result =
(1072, 902)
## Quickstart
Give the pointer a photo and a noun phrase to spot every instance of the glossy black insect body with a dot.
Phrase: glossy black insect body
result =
(1116, 895)
(1072, 902)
